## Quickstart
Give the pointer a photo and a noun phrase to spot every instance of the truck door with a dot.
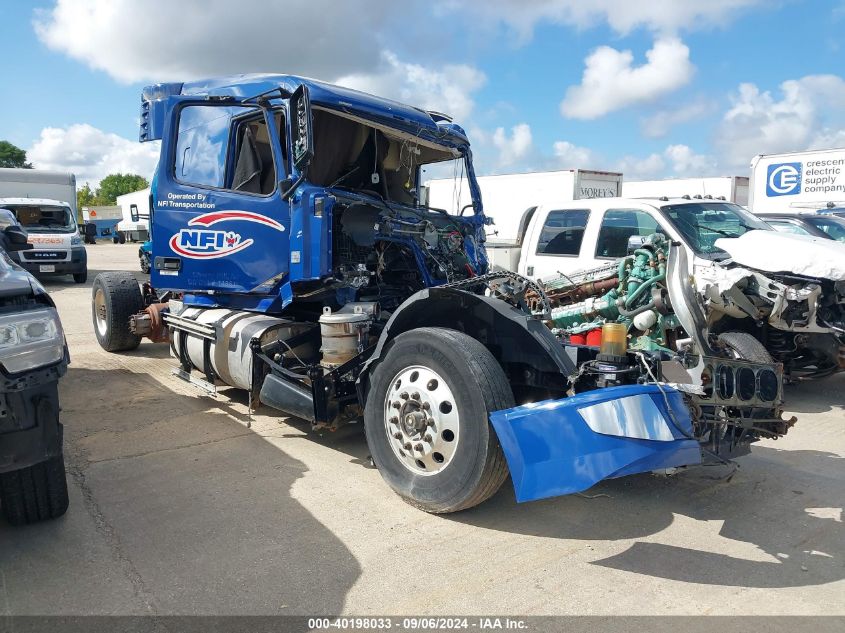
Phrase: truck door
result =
(220, 223)
(553, 243)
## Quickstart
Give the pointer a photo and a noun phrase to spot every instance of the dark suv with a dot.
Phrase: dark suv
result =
(33, 356)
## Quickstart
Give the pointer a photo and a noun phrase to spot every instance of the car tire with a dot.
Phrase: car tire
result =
(115, 296)
(36, 493)
(743, 346)
(121, 238)
(80, 278)
(452, 369)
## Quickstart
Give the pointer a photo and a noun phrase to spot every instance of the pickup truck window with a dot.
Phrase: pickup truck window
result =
(617, 226)
(702, 223)
(785, 226)
(563, 232)
(203, 145)
(834, 227)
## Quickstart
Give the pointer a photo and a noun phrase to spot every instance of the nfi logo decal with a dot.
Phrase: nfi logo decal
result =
(206, 243)
(783, 179)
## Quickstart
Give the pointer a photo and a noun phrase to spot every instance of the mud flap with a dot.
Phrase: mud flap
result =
(558, 447)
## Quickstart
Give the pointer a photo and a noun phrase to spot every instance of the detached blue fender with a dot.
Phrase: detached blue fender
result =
(558, 447)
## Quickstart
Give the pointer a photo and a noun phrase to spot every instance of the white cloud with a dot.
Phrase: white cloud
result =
(571, 156)
(623, 16)
(163, 40)
(685, 162)
(611, 81)
(805, 117)
(661, 122)
(92, 154)
(448, 89)
(641, 167)
(515, 147)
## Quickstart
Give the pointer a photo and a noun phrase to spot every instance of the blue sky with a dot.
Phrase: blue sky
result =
(668, 88)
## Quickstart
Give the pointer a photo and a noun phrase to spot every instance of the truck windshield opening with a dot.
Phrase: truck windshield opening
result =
(703, 223)
(371, 159)
(45, 219)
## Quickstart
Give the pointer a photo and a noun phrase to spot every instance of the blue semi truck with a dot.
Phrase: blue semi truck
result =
(292, 257)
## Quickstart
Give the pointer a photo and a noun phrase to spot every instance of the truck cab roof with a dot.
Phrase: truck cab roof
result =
(321, 94)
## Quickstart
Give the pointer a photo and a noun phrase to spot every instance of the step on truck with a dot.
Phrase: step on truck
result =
(292, 257)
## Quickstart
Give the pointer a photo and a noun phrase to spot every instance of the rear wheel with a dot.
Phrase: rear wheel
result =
(116, 296)
(34, 494)
(427, 419)
(121, 238)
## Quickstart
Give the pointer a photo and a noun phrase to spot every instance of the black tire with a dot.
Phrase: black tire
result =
(80, 278)
(115, 239)
(34, 494)
(744, 346)
(479, 386)
(121, 238)
(121, 298)
(145, 263)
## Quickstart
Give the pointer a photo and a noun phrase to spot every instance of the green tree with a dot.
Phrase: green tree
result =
(12, 156)
(115, 185)
(85, 197)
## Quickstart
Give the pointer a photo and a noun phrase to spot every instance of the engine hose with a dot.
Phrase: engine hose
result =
(645, 253)
(620, 272)
(640, 291)
(635, 312)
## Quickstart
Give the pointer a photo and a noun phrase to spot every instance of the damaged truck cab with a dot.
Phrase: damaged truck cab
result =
(292, 257)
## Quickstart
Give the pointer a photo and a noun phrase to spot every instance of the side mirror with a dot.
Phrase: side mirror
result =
(133, 212)
(16, 238)
(635, 242)
(302, 133)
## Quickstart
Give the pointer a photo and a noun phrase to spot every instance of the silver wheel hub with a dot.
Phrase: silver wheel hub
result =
(100, 311)
(421, 420)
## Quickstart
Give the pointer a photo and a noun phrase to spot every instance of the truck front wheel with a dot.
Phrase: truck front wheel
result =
(116, 296)
(427, 419)
(34, 494)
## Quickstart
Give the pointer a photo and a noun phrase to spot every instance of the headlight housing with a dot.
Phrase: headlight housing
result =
(29, 340)
(75, 240)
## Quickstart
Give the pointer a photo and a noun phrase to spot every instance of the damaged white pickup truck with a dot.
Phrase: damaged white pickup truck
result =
(765, 294)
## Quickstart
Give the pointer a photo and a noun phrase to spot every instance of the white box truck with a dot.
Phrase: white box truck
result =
(730, 188)
(44, 203)
(797, 181)
(135, 209)
(510, 199)
(37, 183)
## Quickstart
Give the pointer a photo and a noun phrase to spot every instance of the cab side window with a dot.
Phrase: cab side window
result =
(225, 148)
(563, 232)
(785, 226)
(617, 226)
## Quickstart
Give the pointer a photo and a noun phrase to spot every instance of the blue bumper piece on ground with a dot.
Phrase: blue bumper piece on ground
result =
(558, 447)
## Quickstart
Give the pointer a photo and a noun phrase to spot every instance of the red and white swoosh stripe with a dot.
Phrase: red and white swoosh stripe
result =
(208, 219)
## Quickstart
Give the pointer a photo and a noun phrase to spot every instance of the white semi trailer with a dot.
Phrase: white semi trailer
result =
(796, 181)
(730, 188)
(135, 209)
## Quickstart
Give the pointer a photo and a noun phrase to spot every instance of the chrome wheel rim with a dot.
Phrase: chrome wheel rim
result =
(100, 311)
(421, 420)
